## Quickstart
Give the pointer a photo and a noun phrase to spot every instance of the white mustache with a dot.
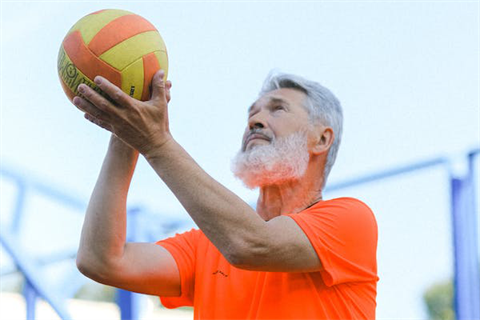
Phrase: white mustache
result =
(253, 134)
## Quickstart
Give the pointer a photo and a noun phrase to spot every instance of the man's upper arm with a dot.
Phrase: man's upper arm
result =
(337, 238)
(283, 247)
(293, 250)
(146, 268)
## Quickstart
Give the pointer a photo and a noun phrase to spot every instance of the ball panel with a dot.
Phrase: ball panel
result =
(97, 12)
(92, 23)
(150, 66)
(132, 79)
(117, 31)
(85, 61)
(162, 57)
(70, 76)
(124, 53)
(70, 94)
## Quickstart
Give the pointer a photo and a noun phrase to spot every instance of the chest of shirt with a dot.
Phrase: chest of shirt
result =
(228, 290)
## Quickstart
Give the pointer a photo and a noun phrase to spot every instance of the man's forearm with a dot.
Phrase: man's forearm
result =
(104, 230)
(226, 220)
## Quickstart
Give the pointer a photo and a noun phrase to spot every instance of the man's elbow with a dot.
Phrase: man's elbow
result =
(234, 259)
(247, 257)
(93, 268)
(85, 266)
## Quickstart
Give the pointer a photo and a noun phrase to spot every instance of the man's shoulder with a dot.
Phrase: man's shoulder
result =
(349, 201)
(344, 205)
(341, 201)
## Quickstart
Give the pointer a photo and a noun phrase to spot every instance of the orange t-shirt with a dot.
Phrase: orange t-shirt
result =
(342, 231)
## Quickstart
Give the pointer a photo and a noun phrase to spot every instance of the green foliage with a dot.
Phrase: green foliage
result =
(439, 301)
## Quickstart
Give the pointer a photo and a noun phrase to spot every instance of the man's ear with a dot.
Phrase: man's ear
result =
(324, 140)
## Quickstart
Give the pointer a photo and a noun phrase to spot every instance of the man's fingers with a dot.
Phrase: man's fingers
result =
(90, 109)
(114, 92)
(168, 86)
(96, 99)
(158, 86)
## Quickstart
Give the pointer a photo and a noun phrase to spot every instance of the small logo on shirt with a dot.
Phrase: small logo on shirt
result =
(220, 272)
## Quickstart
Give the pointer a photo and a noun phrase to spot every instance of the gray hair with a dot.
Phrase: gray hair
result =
(321, 104)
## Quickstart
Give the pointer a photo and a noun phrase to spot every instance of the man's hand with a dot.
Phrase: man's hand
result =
(142, 125)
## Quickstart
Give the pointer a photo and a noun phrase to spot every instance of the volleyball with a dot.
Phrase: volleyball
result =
(118, 45)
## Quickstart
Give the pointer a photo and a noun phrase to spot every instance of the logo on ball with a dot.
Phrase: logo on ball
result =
(71, 71)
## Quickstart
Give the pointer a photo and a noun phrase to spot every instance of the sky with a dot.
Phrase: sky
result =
(406, 73)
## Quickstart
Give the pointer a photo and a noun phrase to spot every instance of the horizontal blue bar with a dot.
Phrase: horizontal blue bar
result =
(387, 174)
(43, 188)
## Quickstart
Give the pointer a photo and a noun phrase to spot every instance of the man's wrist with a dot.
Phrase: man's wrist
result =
(117, 145)
(158, 152)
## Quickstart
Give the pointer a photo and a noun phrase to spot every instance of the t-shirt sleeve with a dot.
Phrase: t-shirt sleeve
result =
(344, 234)
(183, 249)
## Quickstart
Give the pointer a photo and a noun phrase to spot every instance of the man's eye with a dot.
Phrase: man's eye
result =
(278, 108)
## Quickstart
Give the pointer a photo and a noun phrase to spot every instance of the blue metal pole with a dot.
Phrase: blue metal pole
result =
(32, 275)
(465, 238)
(19, 205)
(130, 302)
(380, 175)
(30, 296)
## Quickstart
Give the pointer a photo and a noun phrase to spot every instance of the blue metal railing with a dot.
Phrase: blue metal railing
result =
(465, 235)
(373, 177)
(35, 286)
(140, 228)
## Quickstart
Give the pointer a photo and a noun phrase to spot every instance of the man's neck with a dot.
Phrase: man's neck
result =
(290, 197)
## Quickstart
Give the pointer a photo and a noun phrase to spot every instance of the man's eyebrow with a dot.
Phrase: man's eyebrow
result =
(271, 100)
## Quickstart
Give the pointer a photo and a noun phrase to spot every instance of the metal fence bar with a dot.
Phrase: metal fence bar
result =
(41, 261)
(371, 177)
(34, 286)
(466, 263)
(130, 302)
(32, 276)
(465, 238)
(19, 205)
(45, 189)
(30, 299)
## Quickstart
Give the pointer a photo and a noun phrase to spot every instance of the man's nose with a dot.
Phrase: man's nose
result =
(258, 120)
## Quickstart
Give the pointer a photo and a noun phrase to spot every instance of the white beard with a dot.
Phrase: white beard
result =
(284, 159)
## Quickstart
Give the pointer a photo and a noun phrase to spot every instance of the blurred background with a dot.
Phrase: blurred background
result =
(407, 74)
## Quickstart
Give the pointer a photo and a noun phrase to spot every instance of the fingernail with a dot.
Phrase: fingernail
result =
(76, 101)
(162, 73)
(98, 80)
(81, 89)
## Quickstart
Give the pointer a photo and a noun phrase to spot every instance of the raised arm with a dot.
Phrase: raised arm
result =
(244, 239)
(104, 255)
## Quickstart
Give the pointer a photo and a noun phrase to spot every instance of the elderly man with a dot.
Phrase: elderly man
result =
(296, 257)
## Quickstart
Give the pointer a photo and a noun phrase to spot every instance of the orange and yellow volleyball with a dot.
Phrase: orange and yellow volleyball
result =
(115, 44)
